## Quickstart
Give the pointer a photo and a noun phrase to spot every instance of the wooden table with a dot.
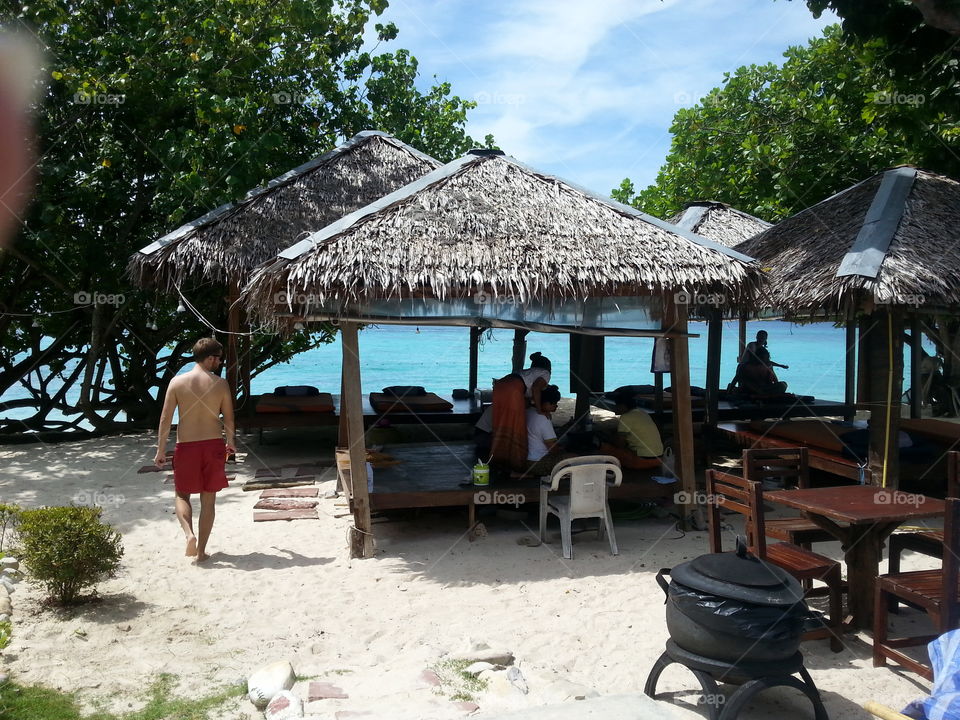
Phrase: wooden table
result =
(861, 517)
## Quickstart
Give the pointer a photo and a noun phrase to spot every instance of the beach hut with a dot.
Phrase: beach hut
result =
(730, 227)
(223, 246)
(486, 241)
(880, 255)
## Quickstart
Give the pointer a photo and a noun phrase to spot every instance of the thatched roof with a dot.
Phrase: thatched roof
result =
(487, 223)
(719, 222)
(227, 243)
(893, 239)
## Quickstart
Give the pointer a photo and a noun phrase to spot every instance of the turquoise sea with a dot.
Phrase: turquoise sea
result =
(438, 358)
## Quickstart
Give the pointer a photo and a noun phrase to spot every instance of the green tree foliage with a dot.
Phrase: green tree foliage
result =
(156, 113)
(773, 140)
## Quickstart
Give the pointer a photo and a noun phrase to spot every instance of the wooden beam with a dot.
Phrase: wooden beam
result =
(882, 344)
(475, 334)
(351, 403)
(714, 357)
(676, 318)
(916, 358)
(233, 328)
(850, 372)
(519, 349)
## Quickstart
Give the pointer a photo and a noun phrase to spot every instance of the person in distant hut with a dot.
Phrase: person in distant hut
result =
(755, 377)
(511, 396)
(760, 342)
(543, 450)
(201, 397)
(637, 443)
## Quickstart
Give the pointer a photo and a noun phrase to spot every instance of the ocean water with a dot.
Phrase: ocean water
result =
(438, 358)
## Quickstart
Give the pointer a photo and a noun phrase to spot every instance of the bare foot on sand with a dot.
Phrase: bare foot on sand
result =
(201, 557)
(191, 547)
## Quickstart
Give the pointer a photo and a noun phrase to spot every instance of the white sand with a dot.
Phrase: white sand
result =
(288, 590)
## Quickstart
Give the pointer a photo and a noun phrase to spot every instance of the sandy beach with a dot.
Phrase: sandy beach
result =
(288, 590)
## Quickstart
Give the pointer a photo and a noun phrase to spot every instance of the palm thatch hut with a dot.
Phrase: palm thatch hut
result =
(881, 253)
(730, 227)
(719, 222)
(487, 241)
(226, 244)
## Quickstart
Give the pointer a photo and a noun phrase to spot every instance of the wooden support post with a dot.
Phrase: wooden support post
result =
(586, 370)
(233, 327)
(916, 358)
(343, 434)
(475, 334)
(882, 345)
(850, 374)
(351, 403)
(658, 395)
(519, 349)
(714, 346)
(676, 322)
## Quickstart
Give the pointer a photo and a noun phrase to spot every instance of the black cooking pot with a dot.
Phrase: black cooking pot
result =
(734, 607)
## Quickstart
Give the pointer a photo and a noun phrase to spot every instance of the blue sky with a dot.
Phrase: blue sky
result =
(587, 89)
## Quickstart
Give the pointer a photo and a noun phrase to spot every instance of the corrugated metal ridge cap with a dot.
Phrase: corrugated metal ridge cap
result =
(692, 214)
(865, 257)
(288, 177)
(455, 166)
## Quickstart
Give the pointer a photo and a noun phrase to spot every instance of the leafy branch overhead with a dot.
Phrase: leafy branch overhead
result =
(154, 114)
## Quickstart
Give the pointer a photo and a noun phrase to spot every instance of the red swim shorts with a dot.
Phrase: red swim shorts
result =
(198, 466)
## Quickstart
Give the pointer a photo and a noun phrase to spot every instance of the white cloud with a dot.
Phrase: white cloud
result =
(587, 90)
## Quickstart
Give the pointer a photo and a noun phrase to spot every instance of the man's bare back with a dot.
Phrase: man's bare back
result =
(201, 397)
(203, 440)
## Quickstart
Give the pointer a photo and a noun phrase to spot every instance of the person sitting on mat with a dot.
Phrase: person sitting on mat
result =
(637, 443)
(755, 378)
(511, 396)
(759, 343)
(543, 450)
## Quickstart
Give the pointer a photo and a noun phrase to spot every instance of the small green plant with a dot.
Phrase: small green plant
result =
(6, 632)
(35, 702)
(457, 682)
(67, 550)
(9, 516)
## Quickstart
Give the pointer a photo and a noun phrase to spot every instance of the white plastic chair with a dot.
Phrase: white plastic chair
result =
(587, 499)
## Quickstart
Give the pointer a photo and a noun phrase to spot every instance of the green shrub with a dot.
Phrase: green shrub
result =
(67, 549)
(9, 516)
(6, 631)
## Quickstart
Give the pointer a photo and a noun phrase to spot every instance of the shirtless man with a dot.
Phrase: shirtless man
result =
(200, 453)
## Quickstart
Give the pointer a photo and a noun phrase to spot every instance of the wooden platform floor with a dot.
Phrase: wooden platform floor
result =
(728, 411)
(439, 474)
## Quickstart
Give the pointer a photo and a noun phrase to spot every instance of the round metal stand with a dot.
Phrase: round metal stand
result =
(753, 678)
